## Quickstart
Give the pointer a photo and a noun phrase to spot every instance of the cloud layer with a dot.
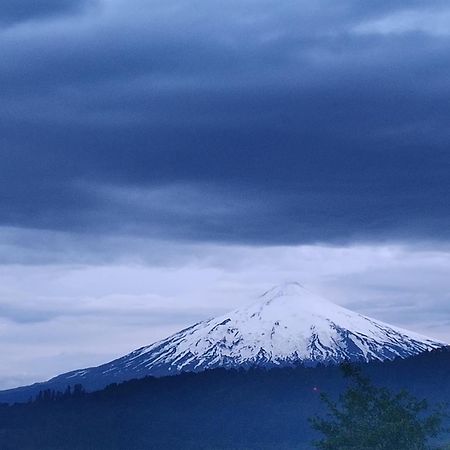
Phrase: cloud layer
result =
(13, 12)
(254, 122)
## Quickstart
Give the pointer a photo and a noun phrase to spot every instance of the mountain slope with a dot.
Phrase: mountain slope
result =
(287, 326)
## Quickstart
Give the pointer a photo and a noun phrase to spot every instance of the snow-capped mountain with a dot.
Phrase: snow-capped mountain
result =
(287, 326)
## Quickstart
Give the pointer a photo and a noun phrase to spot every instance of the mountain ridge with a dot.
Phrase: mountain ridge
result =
(287, 326)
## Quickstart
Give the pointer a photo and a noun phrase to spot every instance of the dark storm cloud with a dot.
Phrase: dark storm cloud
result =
(261, 122)
(15, 11)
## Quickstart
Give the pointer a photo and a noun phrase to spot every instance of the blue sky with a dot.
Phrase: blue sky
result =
(171, 140)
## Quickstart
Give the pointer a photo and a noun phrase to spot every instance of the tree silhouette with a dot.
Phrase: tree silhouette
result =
(369, 417)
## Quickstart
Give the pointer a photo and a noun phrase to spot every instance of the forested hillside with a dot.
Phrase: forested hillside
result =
(212, 410)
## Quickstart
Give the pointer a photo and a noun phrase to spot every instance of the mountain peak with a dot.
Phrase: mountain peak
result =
(287, 326)
(294, 290)
(290, 288)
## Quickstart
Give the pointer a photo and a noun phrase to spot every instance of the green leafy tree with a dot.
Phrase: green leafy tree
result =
(369, 417)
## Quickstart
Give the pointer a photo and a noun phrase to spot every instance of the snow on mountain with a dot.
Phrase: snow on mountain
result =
(287, 326)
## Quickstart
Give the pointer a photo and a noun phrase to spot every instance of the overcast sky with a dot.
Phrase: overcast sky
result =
(162, 161)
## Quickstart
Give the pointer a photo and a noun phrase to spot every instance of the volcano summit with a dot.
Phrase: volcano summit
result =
(286, 326)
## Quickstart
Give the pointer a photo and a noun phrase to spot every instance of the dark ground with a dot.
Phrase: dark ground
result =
(253, 410)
